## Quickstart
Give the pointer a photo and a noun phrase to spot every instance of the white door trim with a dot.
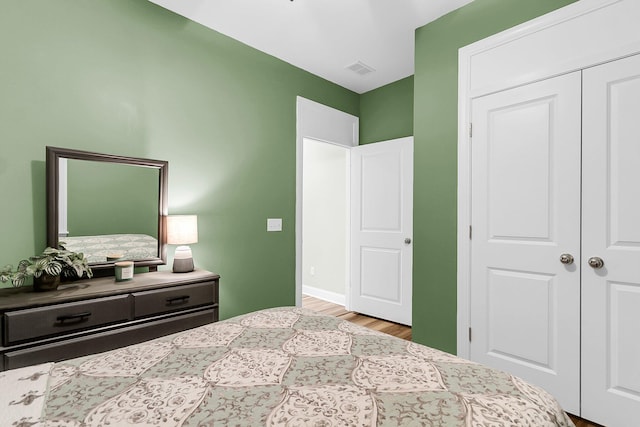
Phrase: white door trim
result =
(319, 122)
(594, 32)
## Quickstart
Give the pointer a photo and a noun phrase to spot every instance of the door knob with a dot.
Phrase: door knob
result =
(407, 240)
(596, 262)
(566, 259)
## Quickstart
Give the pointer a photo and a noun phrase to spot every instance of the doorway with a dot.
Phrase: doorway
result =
(370, 238)
(326, 126)
(325, 224)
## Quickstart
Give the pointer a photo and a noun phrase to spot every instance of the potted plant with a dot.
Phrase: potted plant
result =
(48, 268)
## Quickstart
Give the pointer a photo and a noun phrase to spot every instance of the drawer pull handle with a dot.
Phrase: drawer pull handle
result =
(78, 317)
(178, 300)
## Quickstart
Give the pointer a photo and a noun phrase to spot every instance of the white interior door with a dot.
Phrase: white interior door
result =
(525, 303)
(611, 223)
(382, 229)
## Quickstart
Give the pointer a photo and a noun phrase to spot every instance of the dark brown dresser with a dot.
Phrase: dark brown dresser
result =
(90, 316)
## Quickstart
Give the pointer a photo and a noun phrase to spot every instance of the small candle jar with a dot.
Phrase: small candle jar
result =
(124, 270)
(113, 257)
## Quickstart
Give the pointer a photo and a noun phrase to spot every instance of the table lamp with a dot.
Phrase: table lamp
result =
(182, 230)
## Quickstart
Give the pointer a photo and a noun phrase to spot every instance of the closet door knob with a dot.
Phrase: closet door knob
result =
(566, 259)
(407, 241)
(596, 262)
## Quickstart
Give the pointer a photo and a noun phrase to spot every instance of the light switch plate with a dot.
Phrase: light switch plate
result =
(274, 224)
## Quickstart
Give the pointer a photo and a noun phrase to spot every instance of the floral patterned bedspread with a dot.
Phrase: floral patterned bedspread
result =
(289, 366)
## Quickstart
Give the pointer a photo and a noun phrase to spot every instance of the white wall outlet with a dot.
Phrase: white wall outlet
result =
(312, 271)
(274, 224)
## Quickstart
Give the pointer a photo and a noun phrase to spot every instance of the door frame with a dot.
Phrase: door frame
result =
(325, 124)
(568, 39)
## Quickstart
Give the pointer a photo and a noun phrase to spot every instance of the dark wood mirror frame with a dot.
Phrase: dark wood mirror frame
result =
(54, 154)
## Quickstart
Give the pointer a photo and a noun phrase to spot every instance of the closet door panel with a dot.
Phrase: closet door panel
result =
(611, 232)
(525, 215)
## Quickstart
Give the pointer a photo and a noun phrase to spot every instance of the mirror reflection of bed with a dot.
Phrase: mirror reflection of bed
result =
(112, 247)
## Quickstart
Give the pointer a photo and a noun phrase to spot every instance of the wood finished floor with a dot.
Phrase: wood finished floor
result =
(336, 310)
(390, 328)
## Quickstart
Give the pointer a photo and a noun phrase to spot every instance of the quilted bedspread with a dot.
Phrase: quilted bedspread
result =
(288, 366)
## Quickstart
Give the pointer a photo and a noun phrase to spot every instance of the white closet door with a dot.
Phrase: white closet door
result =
(611, 224)
(525, 303)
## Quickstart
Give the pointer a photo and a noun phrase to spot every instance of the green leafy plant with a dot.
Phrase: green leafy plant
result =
(61, 262)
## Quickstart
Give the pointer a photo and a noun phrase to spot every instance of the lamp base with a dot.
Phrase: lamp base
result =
(183, 260)
(182, 265)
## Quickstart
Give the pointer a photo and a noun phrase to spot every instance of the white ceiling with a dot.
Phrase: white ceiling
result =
(324, 37)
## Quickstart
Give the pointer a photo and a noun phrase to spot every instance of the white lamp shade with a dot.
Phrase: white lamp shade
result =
(182, 229)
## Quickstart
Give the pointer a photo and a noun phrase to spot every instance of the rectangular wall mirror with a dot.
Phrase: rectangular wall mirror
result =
(106, 206)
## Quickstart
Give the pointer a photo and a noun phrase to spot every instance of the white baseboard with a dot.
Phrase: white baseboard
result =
(333, 297)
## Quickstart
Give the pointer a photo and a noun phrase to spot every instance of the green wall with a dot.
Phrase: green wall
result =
(128, 199)
(435, 131)
(387, 112)
(128, 77)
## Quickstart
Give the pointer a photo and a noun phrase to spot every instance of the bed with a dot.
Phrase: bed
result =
(126, 246)
(275, 367)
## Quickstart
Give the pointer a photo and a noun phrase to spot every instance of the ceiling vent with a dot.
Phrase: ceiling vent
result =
(360, 68)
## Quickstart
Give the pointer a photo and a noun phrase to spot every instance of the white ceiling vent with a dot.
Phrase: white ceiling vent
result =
(360, 68)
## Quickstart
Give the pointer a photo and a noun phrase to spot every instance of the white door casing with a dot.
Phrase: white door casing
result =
(525, 311)
(388, 168)
(382, 229)
(322, 123)
(611, 231)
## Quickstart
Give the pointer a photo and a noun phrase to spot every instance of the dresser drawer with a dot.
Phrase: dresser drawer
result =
(149, 303)
(104, 341)
(21, 325)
